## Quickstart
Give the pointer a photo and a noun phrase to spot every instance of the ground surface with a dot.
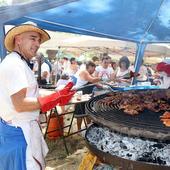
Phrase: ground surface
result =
(57, 158)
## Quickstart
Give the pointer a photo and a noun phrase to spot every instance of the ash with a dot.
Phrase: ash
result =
(132, 148)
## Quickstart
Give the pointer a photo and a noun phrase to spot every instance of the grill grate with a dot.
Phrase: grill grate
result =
(109, 113)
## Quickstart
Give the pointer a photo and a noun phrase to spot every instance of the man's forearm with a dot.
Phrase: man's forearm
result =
(27, 104)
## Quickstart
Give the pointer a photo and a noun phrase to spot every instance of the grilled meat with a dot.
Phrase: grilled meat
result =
(165, 118)
(166, 115)
(134, 102)
(167, 122)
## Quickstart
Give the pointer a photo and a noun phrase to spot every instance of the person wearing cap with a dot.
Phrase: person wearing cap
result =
(22, 145)
(164, 69)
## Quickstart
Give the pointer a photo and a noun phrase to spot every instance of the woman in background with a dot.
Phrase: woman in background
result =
(122, 74)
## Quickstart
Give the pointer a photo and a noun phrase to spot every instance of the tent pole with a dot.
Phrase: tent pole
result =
(58, 58)
(138, 58)
(2, 48)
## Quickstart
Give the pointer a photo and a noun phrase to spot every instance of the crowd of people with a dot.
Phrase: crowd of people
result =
(101, 68)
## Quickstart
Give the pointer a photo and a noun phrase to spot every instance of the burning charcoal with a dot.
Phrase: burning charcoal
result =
(102, 147)
(129, 147)
(158, 145)
(160, 161)
(129, 155)
(123, 146)
(147, 157)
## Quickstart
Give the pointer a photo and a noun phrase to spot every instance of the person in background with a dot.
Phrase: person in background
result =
(96, 60)
(73, 67)
(66, 65)
(82, 65)
(110, 59)
(44, 70)
(143, 72)
(103, 71)
(35, 66)
(164, 70)
(151, 74)
(64, 79)
(122, 74)
(84, 77)
(114, 65)
(57, 69)
(20, 133)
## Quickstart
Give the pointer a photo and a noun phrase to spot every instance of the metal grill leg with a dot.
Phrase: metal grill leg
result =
(48, 122)
(72, 118)
(61, 128)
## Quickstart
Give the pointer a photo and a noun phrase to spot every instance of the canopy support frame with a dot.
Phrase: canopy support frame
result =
(2, 48)
(138, 58)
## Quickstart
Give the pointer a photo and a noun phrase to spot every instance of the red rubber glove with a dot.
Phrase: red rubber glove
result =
(64, 99)
(61, 97)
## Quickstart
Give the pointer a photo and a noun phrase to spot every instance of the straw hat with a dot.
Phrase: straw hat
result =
(25, 27)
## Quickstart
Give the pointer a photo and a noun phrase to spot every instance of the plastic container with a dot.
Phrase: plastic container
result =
(54, 125)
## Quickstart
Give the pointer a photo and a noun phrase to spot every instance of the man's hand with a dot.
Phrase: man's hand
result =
(61, 97)
(134, 74)
(64, 99)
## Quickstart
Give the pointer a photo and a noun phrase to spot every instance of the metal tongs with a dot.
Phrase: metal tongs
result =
(82, 87)
(101, 85)
(110, 87)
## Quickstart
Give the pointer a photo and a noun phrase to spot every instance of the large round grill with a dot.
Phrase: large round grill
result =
(139, 141)
(146, 124)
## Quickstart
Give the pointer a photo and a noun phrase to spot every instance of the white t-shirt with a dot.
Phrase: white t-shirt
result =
(121, 74)
(14, 76)
(66, 66)
(104, 73)
(45, 67)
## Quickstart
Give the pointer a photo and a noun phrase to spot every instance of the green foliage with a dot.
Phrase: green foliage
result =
(88, 55)
(64, 53)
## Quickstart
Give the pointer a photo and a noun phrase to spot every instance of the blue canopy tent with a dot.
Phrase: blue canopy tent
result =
(142, 22)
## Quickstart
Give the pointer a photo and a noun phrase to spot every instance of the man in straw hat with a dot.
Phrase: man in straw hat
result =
(20, 103)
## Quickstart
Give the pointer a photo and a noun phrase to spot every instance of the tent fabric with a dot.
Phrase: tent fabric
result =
(146, 21)
(142, 22)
